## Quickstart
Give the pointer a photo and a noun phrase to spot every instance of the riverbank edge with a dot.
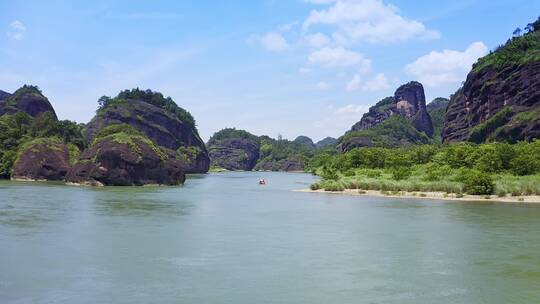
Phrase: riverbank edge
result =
(530, 199)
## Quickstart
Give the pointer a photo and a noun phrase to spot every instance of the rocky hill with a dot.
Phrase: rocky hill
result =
(136, 138)
(120, 155)
(233, 150)
(27, 99)
(408, 101)
(326, 142)
(305, 141)
(500, 100)
(399, 120)
(159, 119)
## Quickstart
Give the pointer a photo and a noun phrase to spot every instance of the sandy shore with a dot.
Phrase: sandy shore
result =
(433, 196)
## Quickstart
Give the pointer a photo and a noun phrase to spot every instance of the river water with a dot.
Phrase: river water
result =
(222, 238)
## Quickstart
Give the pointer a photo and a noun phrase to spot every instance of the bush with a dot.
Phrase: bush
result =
(401, 173)
(525, 164)
(478, 183)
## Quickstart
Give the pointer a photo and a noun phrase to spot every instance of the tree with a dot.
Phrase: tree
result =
(517, 32)
(529, 28)
(103, 101)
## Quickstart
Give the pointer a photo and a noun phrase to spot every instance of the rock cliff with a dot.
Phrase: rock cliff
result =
(500, 100)
(408, 101)
(27, 99)
(42, 159)
(159, 119)
(127, 158)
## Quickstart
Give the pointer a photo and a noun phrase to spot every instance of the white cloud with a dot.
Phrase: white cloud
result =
(447, 67)
(340, 119)
(317, 40)
(16, 30)
(274, 42)
(378, 83)
(367, 20)
(339, 57)
(354, 84)
(287, 27)
(323, 85)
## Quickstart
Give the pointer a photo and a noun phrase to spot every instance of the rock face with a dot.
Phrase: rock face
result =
(44, 159)
(476, 112)
(114, 163)
(27, 99)
(409, 101)
(290, 164)
(234, 153)
(159, 125)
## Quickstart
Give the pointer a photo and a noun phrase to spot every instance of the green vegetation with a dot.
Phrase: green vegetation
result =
(154, 98)
(460, 168)
(394, 131)
(20, 129)
(437, 111)
(272, 150)
(488, 128)
(232, 133)
(24, 90)
(128, 135)
(517, 51)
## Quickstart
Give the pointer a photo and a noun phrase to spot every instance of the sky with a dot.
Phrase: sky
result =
(287, 67)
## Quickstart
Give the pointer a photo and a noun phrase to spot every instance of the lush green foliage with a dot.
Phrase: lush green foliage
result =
(437, 111)
(518, 50)
(24, 90)
(394, 131)
(482, 132)
(128, 135)
(232, 133)
(154, 98)
(454, 168)
(20, 128)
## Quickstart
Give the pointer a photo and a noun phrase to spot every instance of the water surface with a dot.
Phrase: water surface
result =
(222, 238)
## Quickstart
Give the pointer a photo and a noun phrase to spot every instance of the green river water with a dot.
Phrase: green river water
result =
(222, 238)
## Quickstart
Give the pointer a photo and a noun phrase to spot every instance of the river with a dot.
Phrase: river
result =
(222, 238)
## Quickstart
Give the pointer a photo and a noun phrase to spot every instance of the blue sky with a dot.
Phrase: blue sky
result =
(298, 67)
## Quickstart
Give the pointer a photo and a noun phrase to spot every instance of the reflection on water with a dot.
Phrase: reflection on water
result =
(223, 238)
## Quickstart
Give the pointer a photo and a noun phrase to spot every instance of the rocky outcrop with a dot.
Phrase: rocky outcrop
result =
(27, 99)
(42, 159)
(409, 101)
(161, 126)
(234, 153)
(133, 162)
(290, 164)
(500, 100)
(496, 104)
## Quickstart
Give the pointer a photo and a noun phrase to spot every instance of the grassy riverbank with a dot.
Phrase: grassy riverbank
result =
(500, 170)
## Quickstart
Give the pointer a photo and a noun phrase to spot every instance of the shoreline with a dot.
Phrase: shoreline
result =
(532, 199)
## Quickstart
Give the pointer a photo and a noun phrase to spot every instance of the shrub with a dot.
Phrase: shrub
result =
(478, 183)
(315, 186)
(401, 173)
